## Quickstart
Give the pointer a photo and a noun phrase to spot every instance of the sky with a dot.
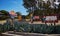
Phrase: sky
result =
(16, 5)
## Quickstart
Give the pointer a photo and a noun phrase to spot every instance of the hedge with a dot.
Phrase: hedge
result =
(57, 29)
(32, 28)
(42, 28)
(1, 28)
(22, 27)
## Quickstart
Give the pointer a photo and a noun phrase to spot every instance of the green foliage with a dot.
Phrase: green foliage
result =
(32, 28)
(22, 27)
(1, 28)
(35, 28)
(46, 9)
(7, 27)
(5, 14)
(32, 3)
(28, 3)
(49, 29)
(18, 13)
(57, 29)
(41, 28)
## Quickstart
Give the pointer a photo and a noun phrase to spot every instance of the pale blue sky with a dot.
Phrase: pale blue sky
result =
(16, 5)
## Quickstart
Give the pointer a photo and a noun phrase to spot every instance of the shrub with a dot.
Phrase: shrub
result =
(35, 28)
(16, 26)
(42, 28)
(7, 27)
(22, 27)
(57, 29)
(25, 27)
(1, 28)
(3, 17)
(48, 29)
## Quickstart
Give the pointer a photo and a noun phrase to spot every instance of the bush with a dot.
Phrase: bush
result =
(35, 28)
(42, 28)
(16, 26)
(3, 17)
(22, 27)
(49, 29)
(25, 27)
(7, 27)
(57, 29)
(1, 28)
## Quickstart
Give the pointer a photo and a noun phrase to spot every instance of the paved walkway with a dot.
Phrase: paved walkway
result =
(39, 22)
(27, 34)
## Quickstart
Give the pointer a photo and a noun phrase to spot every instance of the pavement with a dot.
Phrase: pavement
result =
(11, 33)
(35, 22)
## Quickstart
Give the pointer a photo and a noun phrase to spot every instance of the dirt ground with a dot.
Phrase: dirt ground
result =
(35, 22)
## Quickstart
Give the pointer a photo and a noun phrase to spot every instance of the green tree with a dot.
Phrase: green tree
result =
(18, 13)
(4, 12)
(32, 3)
(45, 8)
